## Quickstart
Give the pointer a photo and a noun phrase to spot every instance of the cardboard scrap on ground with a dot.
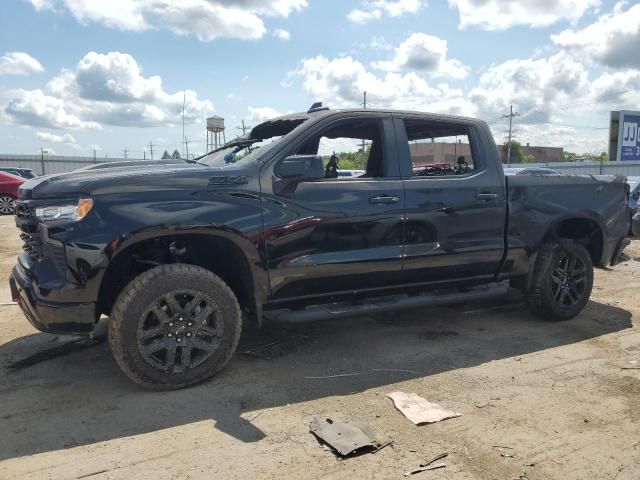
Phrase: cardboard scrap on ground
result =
(419, 410)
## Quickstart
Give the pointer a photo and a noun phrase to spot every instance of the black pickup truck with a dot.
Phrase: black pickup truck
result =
(178, 255)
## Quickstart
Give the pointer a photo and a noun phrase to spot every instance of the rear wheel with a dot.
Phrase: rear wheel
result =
(7, 204)
(174, 326)
(562, 281)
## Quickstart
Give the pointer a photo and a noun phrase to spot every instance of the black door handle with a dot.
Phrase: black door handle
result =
(485, 197)
(384, 199)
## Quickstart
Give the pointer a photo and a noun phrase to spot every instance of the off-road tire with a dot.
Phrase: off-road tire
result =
(141, 294)
(540, 296)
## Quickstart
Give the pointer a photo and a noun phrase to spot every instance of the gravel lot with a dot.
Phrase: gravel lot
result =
(565, 397)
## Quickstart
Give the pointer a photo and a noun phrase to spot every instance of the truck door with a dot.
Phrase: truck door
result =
(455, 201)
(337, 234)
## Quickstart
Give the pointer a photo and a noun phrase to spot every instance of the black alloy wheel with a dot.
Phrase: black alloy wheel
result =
(568, 280)
(180, 330)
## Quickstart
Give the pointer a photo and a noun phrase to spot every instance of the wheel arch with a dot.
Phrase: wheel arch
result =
(228, 254)
(582, 229)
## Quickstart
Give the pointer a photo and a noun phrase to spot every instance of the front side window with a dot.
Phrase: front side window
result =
(350, 149)
(438, 149)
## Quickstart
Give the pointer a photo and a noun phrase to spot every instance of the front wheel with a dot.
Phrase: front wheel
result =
(562, 281)
(174, 326)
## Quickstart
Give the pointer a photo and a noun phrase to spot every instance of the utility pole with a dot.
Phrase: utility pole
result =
(186, 145)
(244, 128)
(151, 149)
(125, 153)
(95, 160)
(144, 154)
(510, 116)
(183, 102)
(42, 159)
(364, 105)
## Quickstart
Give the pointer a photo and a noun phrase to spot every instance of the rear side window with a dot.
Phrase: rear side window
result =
(438, 149)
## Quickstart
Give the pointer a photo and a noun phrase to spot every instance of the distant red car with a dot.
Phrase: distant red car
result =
(9, 185)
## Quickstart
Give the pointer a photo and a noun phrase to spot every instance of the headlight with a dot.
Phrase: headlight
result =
(69, 212)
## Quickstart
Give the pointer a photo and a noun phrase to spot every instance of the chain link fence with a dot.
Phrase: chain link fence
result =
(48, 164)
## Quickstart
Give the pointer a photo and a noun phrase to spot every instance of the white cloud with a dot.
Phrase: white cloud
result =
(42, 4)
(612, 40)
(616, 90)
(35, 108)
(260, 114)
(206, 19)
(533, 85)
(380, 43)
(363, 16)
(104, 89)
(424, 53)
(341, 81)
(19, 63)
(376, 9)
(50, 137)
(281, 34)
(503, 14)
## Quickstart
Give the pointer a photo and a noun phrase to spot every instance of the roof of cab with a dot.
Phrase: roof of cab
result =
(282, 124)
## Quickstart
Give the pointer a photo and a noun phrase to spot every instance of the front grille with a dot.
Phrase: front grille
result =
(28, 223)
(35, 245)
(32, 245)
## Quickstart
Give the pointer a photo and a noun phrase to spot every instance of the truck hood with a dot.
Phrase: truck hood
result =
(123, 179)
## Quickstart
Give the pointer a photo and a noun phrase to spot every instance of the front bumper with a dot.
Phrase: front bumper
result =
(46, 316)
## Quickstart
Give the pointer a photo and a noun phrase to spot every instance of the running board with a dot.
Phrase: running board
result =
(386, 304)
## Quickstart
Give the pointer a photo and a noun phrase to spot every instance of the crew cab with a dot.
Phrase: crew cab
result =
(179, 255)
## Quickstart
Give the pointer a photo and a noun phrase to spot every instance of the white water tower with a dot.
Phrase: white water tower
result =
(215, 132)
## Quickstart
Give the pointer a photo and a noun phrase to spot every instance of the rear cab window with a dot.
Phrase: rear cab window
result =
(438, 149)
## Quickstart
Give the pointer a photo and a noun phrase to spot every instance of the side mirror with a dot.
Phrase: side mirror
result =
(301, 168)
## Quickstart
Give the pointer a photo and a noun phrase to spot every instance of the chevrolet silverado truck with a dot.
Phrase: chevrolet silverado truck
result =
(179, 255)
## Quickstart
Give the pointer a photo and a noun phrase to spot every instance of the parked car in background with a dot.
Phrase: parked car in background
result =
(19, 172)
(634, 204)
(530, 171)
(9, 185)
(346, 174)
(634, 192)
(635, 223)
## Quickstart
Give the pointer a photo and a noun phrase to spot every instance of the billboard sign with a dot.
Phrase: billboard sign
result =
(629, 136)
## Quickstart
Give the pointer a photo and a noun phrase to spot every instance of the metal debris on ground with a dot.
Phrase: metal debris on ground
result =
(419, 410)
(428, 465)
(56, 351)
(373, 370)
(276, 349)
(346, 439)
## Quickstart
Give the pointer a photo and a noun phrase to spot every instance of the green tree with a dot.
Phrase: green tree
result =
(165, 155)
(175, 155)
(517, 155)
(570, 156)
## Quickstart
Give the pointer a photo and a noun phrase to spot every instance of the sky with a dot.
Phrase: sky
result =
(78, 76)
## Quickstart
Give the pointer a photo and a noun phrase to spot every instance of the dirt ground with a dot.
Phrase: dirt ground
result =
(564, 397)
